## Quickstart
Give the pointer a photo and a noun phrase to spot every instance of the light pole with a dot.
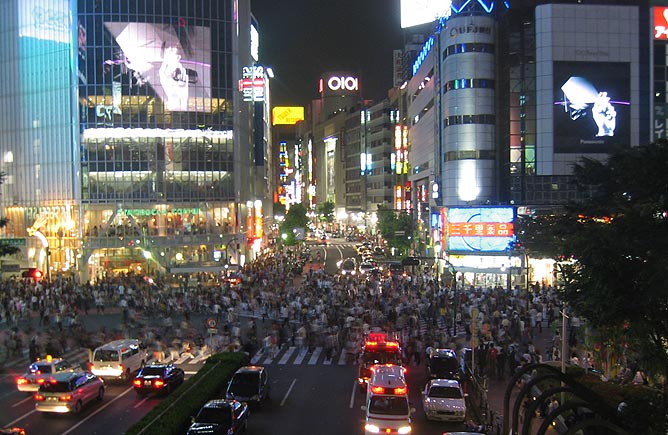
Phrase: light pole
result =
(437, 256)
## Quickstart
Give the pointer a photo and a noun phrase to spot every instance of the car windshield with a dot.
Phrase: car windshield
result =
(105, 355)
(152, 371)
(212, 415)
(348, 265)
(39, 368)
(445, 392)
(443, 365)
(371, 358)
(55, 387)
(244, 384)
(389, 405)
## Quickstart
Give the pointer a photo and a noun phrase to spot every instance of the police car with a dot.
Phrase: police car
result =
(40, 371)
(387, 408)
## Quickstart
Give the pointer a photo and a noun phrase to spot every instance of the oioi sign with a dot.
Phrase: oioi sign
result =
(341, 83)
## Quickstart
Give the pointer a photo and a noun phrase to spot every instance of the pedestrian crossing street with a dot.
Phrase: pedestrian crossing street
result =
(291, 355)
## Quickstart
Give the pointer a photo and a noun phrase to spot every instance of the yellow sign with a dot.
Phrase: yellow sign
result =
(287, 115)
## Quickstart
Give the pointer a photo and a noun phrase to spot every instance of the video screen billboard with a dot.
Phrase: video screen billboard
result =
(480, 229)
(591, 106)
(416, 12)
(175, 61)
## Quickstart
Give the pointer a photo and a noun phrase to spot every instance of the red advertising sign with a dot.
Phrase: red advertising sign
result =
(661, 23)
(480, 229)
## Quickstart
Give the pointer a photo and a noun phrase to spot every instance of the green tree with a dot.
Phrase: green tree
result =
(618, 236)
(396, 227)
(295, 218)
(326, 212)
(6, 249)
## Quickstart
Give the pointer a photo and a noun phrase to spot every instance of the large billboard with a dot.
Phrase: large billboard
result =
(282, 115)
(416, 12)
(591, 106)
(480, 229)
(175, 61)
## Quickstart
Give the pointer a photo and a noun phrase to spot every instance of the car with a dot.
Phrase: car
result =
(40, 370)
(444, 400)
(323, 240)
(366, 267)
(119, 359)
(13, 431)
(69, 392)
(348, 267)
(249, 384)
(158, 378)
(443, 364)
(220, 416)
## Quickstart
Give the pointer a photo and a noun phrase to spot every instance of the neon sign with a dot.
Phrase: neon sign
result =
(343, 83)
(426, 48)
(660, 23)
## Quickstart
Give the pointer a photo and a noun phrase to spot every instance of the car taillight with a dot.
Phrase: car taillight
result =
(40, 381)
(22, 381)
(137, 382)
(38, 397)
(158, 383)
(377, 390)
(65, 398)
(400, 391)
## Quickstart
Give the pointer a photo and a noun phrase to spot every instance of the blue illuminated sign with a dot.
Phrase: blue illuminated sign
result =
(426, 48)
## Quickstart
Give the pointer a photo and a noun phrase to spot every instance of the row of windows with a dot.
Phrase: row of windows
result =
(468, 84)
(469, 119)
(451, 156)
(469, 47)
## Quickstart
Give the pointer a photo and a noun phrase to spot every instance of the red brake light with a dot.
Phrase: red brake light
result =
(65, 398)
(137, 382)
(371, 343)
(38, 397)
(41, 381)
(392, 344)
(377, 390)
(388, 430)
(400, 391)
(159, 383)
(21, 381)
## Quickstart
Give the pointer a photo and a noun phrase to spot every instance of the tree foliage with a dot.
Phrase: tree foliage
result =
(6, 249)
(618, 236)
(295, 218)
(396, 227)
(325, 212)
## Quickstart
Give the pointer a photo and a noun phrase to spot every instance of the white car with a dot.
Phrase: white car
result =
(348, 267)
(68, 392)
(444, 400)
(366, 267)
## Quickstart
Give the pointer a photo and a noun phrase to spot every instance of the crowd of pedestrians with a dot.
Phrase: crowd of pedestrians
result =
(303, 310)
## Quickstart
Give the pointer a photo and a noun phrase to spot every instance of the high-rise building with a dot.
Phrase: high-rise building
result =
(129, 132)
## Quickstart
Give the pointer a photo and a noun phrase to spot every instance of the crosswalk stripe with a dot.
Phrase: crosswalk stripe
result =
(342, 358)
(300, 356)
(287, 355)
(315, 356)
(256, 358)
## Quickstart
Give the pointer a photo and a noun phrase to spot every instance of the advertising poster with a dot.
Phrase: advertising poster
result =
(591, 106)
(173, 60)
(480, 229)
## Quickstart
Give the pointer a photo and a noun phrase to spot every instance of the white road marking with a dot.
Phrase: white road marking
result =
(101, 408)
(315, 356)
(352, 395)
(287, 355)
(22, 401)
(300, 356)
(294, 381)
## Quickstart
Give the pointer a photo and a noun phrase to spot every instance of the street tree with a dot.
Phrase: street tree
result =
(396, 227)
(295, 220)
(325, 212)
(617, 236)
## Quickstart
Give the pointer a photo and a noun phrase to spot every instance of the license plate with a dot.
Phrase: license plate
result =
(147, 382)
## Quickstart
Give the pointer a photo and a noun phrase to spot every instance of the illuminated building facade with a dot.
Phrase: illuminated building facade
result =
(125, 136)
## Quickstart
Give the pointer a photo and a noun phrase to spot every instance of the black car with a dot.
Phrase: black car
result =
(220, 416)
(158, 378)
(249, 384)
(443, 364)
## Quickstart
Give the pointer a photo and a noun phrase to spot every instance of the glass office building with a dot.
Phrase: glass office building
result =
(117, 133)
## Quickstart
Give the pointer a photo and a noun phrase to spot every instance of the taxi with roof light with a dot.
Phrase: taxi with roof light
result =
(387, 408)
(40, 370)
(378, 348)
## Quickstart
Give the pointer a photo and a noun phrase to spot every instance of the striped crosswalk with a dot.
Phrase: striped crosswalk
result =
(291, 355)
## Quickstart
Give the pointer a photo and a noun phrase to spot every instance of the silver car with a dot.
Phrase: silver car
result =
(444, 400)
(68, 392)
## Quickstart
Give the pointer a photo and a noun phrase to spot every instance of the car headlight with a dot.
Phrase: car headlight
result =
(372, 428)
(404, 429)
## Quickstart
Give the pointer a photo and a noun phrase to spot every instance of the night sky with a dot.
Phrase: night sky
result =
(301, 39)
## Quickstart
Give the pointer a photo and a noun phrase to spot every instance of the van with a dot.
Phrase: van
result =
(387, 408)
(119, 359)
